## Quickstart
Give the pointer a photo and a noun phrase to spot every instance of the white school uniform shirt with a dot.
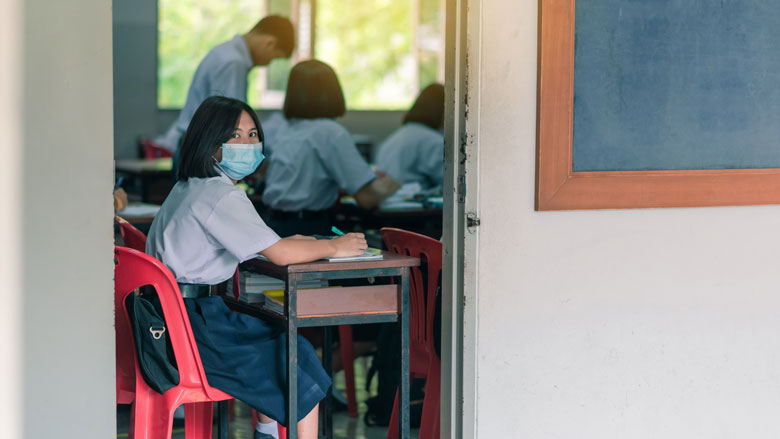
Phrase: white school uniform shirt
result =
(310, 161)
(271, 126)
(205, 227)
(414, 153)
(222, 72)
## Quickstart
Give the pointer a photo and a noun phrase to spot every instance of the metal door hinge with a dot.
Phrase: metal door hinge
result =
(461, 188)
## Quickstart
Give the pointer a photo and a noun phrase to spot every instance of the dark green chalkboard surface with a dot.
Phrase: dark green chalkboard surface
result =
(676, 84)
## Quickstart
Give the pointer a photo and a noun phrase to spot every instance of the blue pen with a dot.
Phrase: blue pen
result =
(336, 230)
(119, 183)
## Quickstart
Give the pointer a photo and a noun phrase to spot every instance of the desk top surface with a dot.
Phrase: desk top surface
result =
(139, 213)
(164, 164)
(389, 260)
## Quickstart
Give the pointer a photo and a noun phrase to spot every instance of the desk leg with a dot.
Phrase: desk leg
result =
(290, 303)
(327, 362)
(222, 416)
(403, 400)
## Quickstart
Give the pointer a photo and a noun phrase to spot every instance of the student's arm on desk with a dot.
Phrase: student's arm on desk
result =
(296, 249)
(371, 195)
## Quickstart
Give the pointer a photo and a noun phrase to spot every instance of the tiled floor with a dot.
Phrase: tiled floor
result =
(344, 427)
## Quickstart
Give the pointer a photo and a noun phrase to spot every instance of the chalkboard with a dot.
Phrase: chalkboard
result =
(676, 85)
(657, 103)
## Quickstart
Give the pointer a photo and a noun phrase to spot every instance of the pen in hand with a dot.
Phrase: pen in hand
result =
(119, 183)
(336, 230)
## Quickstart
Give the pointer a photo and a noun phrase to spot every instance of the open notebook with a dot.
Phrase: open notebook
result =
(371, 254)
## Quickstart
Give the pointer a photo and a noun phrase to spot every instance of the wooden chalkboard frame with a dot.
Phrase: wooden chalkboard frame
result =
(559, 188)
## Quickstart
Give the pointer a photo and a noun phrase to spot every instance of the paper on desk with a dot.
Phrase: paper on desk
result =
(371, 254)
(139, 210)
(402, 199)
(400, 205)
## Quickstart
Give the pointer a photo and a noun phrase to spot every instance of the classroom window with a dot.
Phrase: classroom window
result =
(384, 51)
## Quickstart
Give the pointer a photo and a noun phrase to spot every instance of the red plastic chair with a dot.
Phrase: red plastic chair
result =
(152, 413)
(423, 361)
(348, 364)
(133, 238)
(152, 150)
(136, 240)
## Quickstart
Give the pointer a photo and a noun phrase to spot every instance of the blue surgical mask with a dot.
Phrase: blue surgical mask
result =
(240, 159)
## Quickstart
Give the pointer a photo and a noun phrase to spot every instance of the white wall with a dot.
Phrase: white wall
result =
(11, 73)
(657, 323)
(58, 343)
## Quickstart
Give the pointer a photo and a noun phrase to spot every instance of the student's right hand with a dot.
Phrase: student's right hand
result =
(351, 244)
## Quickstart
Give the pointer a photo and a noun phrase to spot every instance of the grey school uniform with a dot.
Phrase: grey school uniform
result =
(205, 227)
(311, 160)
(414, 153)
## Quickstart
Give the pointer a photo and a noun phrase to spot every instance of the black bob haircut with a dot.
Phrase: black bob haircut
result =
(428, 109)
(313, 91)
(279, 27)
(211, 126)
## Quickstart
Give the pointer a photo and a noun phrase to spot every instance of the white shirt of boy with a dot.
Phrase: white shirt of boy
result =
(205, 227)
(222, 72)
(414, 153)
(311, 160)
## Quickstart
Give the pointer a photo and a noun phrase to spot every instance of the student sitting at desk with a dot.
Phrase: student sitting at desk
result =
(314, 157)
(414, 153)
(203, 230)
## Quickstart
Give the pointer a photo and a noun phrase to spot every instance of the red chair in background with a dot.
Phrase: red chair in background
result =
(133, 238)
(151, 150)
(423, 361)
(152, 413)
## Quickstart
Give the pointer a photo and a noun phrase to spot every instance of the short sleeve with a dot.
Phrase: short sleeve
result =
(235, 224)
(344, 163)
(230, 81)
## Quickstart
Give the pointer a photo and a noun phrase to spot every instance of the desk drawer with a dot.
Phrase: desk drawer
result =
(345, 301)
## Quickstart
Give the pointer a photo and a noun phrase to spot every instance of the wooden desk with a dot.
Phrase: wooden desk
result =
(139, 213)
(338, 306)
(155, 172)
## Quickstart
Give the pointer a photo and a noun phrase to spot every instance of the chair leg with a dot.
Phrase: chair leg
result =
(152, 416)
(198, 420)
(348, 363)
(392, 429)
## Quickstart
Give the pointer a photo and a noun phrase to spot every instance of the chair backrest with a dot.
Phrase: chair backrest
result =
(135, 269)
(133, 238)
(152, 150)
(136, 240)
(422, 289)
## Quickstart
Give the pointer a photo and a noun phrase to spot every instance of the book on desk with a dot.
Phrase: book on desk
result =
(259, 289)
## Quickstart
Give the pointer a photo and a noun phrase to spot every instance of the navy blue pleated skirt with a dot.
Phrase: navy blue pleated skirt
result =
(246, 357)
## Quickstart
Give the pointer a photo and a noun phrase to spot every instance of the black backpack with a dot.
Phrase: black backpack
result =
(153, 347)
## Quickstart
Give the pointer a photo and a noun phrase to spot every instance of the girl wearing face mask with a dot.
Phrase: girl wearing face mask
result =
(205, 227)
